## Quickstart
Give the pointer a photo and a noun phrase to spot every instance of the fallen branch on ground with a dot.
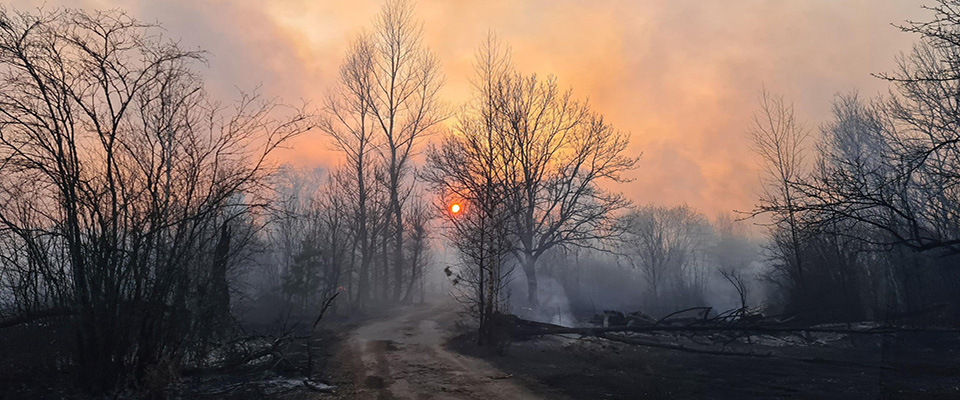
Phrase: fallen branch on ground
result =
(533, 328)
(639, 342)
(33, 316)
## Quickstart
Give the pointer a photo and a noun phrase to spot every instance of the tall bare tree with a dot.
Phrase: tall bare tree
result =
(555, 152)
(350, 124)
(387, 102)
(405, 105)
(879, 211)
(544, 153)
(778, 138)
(908, 187)
(466, 169)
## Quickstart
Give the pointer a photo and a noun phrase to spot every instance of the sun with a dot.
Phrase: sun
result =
(455, 208)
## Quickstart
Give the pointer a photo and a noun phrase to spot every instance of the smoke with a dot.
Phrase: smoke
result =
(681, 75)
(723, 296)
(554, 303)
(575, 285)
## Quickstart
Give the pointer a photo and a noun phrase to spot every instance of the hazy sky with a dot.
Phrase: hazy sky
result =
(681, 75)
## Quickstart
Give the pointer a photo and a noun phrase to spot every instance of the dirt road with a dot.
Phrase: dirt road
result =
(403, 357)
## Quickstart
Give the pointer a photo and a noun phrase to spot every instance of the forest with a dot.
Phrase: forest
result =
(154, 242)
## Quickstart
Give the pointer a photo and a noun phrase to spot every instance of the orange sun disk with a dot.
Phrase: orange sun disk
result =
(455, 208)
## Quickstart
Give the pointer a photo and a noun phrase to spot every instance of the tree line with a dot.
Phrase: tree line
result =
(865, 208)
(146, 216)
(143, 215)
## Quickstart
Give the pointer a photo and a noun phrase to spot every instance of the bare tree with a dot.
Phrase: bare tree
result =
(904, 184)
(417, 248)
(664, 243)
(350, 124)
(735, 278)
(385, 105)
(778, 138)
(466, 169)
(404, 104)
(878, 212)
(122, 180)
(554, 151)
(309, 238)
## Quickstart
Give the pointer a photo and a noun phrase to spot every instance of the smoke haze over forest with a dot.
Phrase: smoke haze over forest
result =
(400, 198)
(682, 77)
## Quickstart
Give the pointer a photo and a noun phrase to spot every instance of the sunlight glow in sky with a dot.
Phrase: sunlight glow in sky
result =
(681, 76)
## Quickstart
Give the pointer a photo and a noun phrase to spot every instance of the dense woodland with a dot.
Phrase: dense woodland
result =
(146, 224)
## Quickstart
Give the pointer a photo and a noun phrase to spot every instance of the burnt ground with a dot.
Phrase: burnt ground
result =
(910, 366)
(273, 380)
(420, 352)
(27, 372)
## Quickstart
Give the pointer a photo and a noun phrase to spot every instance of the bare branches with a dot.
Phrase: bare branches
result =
(893, 165)
(736, 280)
(386, 103)
(547, 151)
(663, 243)
(778, 138)
(124, 181)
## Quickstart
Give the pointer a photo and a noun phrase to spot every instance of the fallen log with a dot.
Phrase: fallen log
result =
(533, 328)
(668, 346)
(527, 328)
(33, 316)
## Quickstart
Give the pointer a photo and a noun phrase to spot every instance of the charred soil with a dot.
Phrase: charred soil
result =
(913, 366)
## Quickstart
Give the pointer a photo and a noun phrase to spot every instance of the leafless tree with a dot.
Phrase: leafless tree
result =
(121, 179)
(466, 169)
(904, 180)
(309, 237)
(417, 248)
(869, 204)
(735, 278)
(385, 104)
(404, 104)
(554, 150)
(665, 245)
(350, 123)
(778, 138)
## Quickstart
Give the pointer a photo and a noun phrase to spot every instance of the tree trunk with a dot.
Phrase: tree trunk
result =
(220, 293)
(398, 245)
(529, 269)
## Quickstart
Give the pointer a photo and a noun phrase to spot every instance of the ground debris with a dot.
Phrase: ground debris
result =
(741, 358)
(740, 332)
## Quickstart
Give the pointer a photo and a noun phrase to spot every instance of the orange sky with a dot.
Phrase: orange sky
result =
(681, 75)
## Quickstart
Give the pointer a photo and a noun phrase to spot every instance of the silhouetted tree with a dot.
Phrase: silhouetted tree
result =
(552, 152)
(466, 169)
(385, 104)
(778, 138)
(894, 166)
(119, 177)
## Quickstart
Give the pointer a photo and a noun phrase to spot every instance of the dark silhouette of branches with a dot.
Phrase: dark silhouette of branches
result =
(386, 103)
(121, 182)
(551, 153)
